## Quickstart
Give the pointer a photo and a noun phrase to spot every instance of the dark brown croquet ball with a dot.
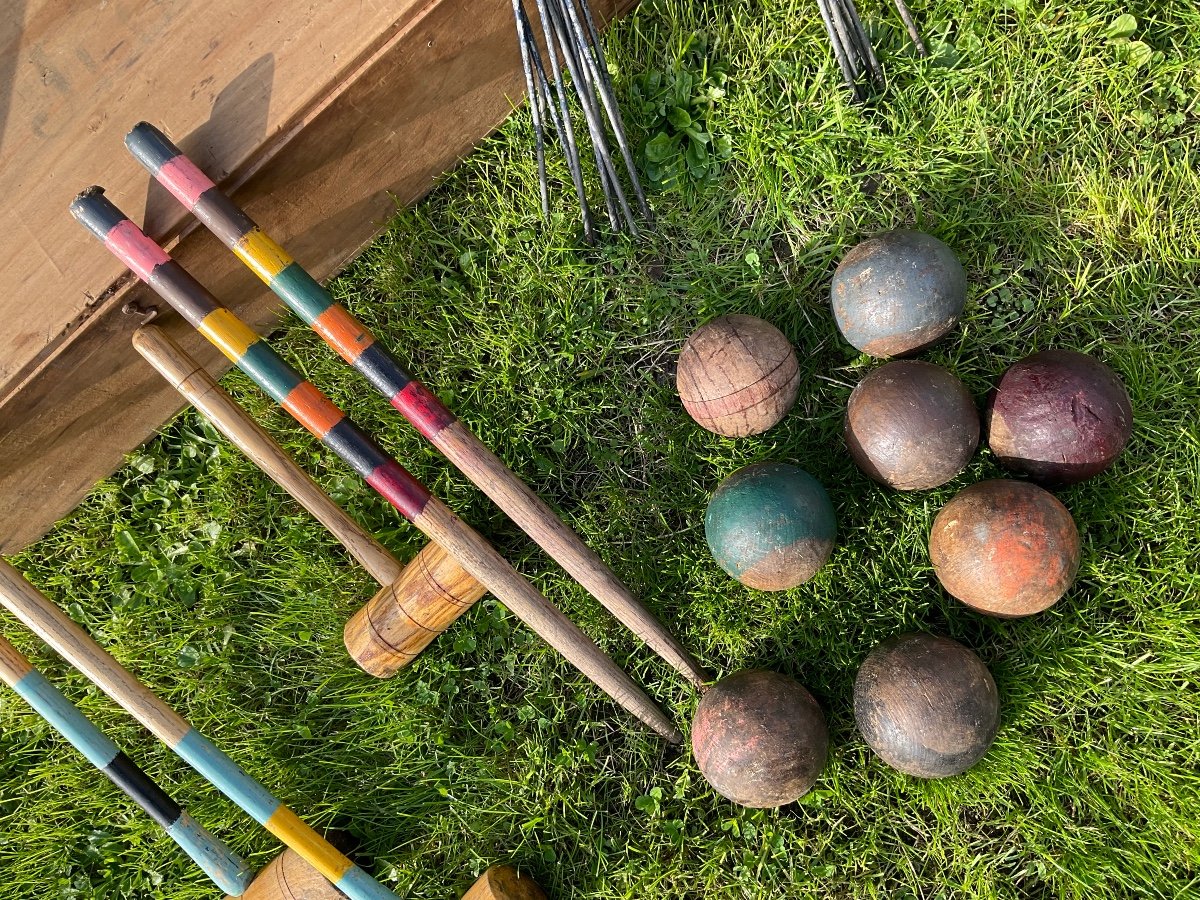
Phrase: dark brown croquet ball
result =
(1058, 417)
(911, 425)
(737, 375)
(1005, 548)
(897, 293)
(759, 738)
(926, 705)
(771, 526)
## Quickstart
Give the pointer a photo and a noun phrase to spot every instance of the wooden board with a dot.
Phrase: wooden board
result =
(400, 98)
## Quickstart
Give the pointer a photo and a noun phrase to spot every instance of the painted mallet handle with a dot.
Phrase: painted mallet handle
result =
(227, 870)
(201, 390)
(74, 645)
(332, 427)
(418, 601)
(357, 346)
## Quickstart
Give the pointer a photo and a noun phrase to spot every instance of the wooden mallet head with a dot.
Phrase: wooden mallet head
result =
(288, 877)
(416, 603)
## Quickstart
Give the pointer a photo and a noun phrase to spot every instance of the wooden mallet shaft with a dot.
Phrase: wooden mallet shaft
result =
(78, 648)
(316, 412)
(288, 877)
(358, 347)
(226, 869)
(417, 602)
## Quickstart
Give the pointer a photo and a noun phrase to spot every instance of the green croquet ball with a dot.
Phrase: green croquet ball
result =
(771, 526)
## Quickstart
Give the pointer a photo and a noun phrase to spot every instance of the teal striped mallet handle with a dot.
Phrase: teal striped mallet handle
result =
(78, 648)
(226, 869)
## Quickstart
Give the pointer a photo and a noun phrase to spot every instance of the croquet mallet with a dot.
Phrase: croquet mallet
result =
(78, 648)
(358, 347)
(312, 409)
(416, 602)
(227, 870)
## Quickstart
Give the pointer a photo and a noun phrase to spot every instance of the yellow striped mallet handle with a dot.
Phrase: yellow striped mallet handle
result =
(78, 648)
(417, 602)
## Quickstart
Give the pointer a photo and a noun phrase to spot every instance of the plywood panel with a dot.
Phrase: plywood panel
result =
(324, 185)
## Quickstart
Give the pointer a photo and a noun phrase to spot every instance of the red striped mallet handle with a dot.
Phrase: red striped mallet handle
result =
(355, 344)
(332, 427)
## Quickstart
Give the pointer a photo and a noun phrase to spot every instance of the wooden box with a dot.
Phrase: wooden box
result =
(317, 117)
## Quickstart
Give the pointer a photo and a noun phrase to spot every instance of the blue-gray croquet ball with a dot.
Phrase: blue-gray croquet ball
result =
(898, 293)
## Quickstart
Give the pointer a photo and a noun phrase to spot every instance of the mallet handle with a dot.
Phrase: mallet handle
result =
(354, 343)
(201, 390)
(227, 870)
(77, 647)
(333, 428)
(417, 603)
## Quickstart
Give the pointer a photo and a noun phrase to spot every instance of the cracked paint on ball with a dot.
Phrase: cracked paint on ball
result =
(897, 293)
(1059, 417)
(771, 526)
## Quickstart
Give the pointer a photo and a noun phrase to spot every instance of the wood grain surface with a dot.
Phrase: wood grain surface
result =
(504, 883)
(392, 629)
(412, 101)
(74, 645)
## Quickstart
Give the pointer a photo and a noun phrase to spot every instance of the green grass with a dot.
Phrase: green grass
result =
(1065, 176)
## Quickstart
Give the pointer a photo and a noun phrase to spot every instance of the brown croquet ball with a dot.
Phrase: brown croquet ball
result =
(737, 375)
(1058, 417)
(1005, 548)
(759, 738)
(926, 705)
(911, 425)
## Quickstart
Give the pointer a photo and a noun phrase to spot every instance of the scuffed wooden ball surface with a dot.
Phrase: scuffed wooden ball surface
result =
(926, 705)
(759, 738)
(911, 425)
(897, 293)
(737, 375)
(1059, 417)
(1005, 548)
(771, 526)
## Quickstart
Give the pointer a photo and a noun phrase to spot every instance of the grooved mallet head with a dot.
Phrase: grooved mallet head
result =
(417, 603)
(288, 877)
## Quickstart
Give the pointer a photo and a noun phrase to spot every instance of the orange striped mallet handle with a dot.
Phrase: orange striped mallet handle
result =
(312, 409)
(357, 346)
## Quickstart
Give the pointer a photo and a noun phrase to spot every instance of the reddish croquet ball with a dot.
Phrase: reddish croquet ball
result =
(897, 293)
(759, 738)
(911, 425)
(926, 705)
(1005, 548)
(1058, 417)
(737, 375)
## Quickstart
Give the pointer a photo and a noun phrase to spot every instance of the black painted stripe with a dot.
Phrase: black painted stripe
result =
(124, 773)
(349, 442)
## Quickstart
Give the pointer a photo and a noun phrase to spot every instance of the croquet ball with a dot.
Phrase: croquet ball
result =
(759, 738)
(771, 526)
(1058, 417)
(911, 425)
(737, 375)
(1005, 548)
(926, 705)
(897, 293)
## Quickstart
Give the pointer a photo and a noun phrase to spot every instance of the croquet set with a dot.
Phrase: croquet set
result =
(926, 705)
